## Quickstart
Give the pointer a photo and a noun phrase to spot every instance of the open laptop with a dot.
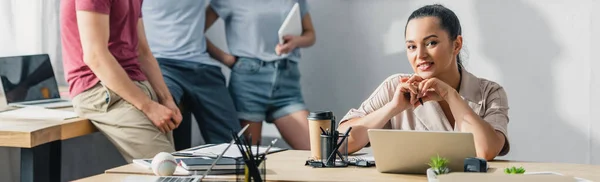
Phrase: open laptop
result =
(139, 178)
(30, 81)
(398, 151)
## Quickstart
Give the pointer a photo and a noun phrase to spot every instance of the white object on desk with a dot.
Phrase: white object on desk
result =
(163, 164)
(577, 179)
(38, 113)
(138, 178)
(292, 25)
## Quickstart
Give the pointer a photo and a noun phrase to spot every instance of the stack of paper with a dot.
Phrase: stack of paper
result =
(38, 113)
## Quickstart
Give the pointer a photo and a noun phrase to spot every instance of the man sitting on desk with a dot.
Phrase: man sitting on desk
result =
(114, 80)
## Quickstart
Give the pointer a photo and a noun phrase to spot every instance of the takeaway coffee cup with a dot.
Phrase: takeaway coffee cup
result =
(316, 121)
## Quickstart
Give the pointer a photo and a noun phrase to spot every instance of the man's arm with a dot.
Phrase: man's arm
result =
(149, 65)
(94, 35)
(151, 69)
(214, 51)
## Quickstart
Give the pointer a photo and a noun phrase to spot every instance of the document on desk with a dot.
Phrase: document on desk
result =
(577, 179)
(37, 113)
(214, 150)
(365, 154)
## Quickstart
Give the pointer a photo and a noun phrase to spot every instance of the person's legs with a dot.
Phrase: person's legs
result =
(288, 109)
(250, 85)
(211, 104)
(182, 135)
(294, 129)
(124, 125)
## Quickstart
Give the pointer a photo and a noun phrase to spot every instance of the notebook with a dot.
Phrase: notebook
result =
(202, 163)
(181, 170)
(213, 150)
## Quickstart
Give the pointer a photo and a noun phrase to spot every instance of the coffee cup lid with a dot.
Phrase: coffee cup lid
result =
(320, 115)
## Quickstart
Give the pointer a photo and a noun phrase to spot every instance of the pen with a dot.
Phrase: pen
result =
(337, 147)
(407, 97)
(323, 131)
(270, 145)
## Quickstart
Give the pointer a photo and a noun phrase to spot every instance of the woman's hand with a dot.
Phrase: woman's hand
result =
(434, 89)
(291, 43)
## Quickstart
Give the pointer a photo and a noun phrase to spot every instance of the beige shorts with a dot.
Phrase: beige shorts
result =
(128, 128)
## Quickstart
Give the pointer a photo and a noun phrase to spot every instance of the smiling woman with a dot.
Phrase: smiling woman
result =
(452, 98)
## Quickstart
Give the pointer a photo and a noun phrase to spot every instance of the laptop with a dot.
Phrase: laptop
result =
(408, 152)
(137, 178)
(30, 81)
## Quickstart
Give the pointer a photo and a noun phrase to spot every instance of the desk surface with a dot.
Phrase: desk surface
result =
(289, 166)
(28, 133)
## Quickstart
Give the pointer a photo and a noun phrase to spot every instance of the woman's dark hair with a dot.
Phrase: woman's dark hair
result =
(448, 21)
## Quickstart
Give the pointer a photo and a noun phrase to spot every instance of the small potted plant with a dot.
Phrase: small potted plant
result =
(437, 166)
(514, 170)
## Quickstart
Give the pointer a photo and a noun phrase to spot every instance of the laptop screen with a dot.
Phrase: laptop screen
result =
(28, 78)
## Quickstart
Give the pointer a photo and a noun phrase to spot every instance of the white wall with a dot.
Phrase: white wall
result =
(595, 98)
(538, 50)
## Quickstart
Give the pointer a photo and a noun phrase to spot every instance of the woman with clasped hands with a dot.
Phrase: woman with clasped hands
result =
(440, 96)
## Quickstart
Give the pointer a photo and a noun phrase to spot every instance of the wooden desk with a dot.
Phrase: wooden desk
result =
(289, 166)
(40, 143)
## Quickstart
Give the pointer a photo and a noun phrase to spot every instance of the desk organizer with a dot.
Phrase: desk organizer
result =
(334, 151)
(248, 173)
(254, 164)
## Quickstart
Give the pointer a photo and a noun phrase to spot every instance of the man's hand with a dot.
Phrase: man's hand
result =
(161, 116)
(176, 113)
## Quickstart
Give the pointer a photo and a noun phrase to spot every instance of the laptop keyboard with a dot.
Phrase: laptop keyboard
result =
(175, 179)
(45, 102)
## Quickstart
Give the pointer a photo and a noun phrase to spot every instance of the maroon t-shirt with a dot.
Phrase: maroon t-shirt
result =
(122, 43)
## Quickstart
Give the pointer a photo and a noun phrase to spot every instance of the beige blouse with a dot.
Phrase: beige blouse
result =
(487, 98)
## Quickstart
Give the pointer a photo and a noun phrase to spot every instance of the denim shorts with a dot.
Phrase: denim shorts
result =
(265, 90)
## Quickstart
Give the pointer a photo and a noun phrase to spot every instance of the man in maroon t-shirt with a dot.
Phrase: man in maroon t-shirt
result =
(113, 78)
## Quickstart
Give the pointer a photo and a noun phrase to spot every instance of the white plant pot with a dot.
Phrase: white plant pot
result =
(431, 176)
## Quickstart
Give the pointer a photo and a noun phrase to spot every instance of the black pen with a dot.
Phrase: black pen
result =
(420, 100)
(323, 131)
(407, 97)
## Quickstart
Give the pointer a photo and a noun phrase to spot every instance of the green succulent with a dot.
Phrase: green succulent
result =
(439, 165)
(514, 170)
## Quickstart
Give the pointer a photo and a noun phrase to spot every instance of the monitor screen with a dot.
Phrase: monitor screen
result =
(28, 78)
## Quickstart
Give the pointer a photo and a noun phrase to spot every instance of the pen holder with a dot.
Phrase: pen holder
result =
(330, 157)
(247, 173)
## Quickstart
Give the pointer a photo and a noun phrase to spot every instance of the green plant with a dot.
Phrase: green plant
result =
(514, 170)
(439, 165)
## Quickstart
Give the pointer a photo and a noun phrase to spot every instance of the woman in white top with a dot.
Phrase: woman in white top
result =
(440, 96)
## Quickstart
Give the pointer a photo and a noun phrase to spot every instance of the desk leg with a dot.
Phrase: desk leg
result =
(41, 163)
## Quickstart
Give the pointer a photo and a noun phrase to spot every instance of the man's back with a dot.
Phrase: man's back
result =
(176, 30)
(122, 43)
